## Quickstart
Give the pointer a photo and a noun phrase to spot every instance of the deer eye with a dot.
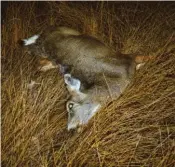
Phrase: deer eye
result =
(70, 106)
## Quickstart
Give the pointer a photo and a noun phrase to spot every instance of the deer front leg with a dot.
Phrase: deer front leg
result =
(46, 65)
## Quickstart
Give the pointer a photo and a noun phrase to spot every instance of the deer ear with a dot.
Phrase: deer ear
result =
(71, 82)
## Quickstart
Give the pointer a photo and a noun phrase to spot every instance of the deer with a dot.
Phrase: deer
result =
(91, 70)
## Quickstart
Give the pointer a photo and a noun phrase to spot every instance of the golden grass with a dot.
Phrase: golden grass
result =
(138, 129)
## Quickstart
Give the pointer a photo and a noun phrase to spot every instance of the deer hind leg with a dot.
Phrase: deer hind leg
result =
(140, 65)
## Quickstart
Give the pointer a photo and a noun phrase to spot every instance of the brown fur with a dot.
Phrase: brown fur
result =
(85, 57)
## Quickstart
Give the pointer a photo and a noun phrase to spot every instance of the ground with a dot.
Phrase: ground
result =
(138, 129)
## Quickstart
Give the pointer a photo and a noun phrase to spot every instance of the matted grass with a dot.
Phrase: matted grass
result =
(138, 129)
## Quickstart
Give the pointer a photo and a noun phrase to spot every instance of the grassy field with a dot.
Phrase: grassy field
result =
(138, 129)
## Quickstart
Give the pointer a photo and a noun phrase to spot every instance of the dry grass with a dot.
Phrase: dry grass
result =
(138, 129)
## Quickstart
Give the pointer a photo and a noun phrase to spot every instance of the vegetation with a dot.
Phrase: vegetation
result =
(138, 129)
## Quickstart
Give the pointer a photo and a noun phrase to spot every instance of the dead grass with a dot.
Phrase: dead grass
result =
(138, 129)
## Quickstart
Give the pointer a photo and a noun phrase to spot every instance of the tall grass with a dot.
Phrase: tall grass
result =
(138, 129)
